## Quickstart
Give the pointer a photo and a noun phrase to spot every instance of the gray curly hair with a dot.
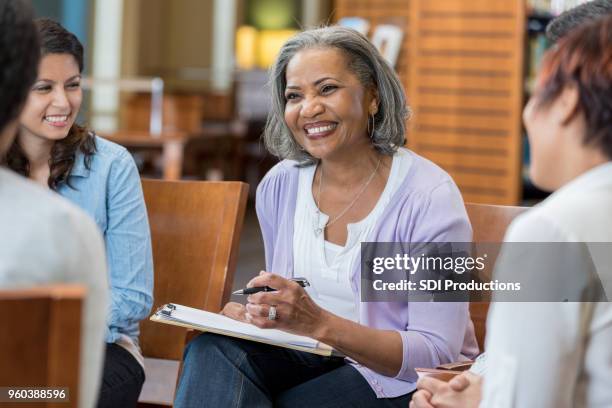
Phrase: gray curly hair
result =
(371, 69)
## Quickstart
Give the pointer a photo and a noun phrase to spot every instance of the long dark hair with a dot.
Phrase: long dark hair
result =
(18, 58)
(55, 39)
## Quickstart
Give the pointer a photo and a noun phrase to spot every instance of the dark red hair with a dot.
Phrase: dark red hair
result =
(583, 59)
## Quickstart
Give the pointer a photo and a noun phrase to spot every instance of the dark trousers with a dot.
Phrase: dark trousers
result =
(122, 379)
(221, 371)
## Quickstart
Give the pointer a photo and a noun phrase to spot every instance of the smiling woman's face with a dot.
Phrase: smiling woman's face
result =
(327, 107)
(54, 100)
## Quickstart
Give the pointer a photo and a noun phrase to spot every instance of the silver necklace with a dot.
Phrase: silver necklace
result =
(320, 228)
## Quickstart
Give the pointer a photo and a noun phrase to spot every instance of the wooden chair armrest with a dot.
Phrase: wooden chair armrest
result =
(457, 365)
(442, 375)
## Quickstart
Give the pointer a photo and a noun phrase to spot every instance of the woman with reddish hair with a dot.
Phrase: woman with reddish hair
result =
(559, 354)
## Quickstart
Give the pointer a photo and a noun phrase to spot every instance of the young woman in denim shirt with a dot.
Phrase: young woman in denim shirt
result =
(102, 179)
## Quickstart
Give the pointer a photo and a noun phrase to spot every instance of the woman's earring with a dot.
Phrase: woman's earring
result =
(371, 133)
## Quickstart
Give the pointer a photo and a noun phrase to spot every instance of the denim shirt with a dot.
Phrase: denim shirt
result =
(111, 193)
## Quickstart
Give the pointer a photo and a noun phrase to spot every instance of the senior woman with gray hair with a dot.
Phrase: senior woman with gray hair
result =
(337, 121)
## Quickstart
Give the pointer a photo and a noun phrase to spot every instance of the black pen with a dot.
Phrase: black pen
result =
(303, 282)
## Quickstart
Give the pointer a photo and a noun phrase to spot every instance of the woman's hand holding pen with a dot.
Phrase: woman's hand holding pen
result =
(296, 312)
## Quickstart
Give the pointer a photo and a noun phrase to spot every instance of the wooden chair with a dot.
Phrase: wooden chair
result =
(489, 223)
(201, 136)
(195, 229)
(40, 338)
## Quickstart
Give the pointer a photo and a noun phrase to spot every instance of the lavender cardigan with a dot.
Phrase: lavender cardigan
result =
(426, 208)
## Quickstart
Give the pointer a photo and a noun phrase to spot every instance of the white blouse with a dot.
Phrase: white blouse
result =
(326, 265)
(545, 354)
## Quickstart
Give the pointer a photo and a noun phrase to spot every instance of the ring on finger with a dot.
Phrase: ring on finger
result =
(272, 313)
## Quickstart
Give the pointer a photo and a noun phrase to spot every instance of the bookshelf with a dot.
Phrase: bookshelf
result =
(377, 12)
(461, 64)
(466, 90)
(536, 44)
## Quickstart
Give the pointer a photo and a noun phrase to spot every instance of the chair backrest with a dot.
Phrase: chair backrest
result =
(40, 337)
(489, 223)
(180, 112)
(195, 232)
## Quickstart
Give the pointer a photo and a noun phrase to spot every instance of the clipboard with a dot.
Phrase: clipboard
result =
(190, 318)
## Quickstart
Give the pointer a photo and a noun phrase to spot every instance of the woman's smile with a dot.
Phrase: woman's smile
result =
(326, 106)
(319, 130)
(57, 121)
(54, 100)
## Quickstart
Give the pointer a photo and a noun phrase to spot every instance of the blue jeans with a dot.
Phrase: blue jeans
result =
(221, 371)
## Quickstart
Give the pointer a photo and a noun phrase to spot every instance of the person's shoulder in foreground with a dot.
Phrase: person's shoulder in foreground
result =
(42, 238)
(45, 239)
(577, 212)
(38, 224)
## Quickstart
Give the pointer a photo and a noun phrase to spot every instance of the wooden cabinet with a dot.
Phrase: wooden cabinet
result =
(461, 64)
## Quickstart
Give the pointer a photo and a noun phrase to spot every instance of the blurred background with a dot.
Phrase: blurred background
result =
(182, 83)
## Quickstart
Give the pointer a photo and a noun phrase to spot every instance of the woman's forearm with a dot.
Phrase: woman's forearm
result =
(379, 350)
